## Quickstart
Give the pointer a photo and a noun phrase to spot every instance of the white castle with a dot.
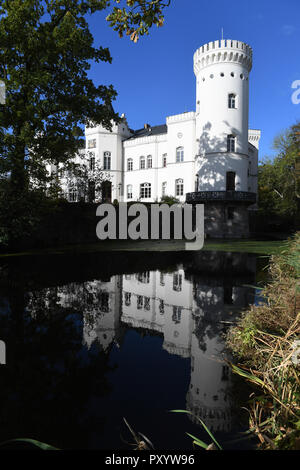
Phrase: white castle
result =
(209, 155)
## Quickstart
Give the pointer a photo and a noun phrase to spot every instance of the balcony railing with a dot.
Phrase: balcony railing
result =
(226, 196)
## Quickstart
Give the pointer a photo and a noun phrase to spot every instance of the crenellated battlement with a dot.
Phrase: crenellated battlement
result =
(224, 50)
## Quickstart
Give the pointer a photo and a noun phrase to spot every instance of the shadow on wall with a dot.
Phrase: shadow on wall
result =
(209, 171)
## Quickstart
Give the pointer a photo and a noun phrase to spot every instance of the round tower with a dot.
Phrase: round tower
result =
(222, 103)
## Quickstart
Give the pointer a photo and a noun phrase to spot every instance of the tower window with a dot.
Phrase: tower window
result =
(179, 187)
(232, 101)
(230, 181)
(142, 163)
(179, 154)
(231, 143)
(145, 190)
(129, 164)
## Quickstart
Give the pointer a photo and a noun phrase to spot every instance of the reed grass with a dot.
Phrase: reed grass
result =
(265, 343)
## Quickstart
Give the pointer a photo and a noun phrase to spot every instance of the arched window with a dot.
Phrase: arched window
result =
(232, 101)
(231, 143)
(149, 161)
(179, 154)
(179, 187)
(145, 190)
(106, 160)
(129, 164)
(142, 163)
(129, 191)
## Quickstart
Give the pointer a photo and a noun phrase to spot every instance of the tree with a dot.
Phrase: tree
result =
(277, 179)
(46, 52)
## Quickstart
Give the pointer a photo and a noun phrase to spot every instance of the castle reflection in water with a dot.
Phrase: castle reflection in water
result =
(189, 306)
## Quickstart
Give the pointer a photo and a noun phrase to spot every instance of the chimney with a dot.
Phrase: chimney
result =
(147, 127)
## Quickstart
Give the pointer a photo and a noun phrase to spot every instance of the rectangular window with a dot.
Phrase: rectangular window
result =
(144, 277)
(139, 302)
(129, 191)
(177, 282)
(129, 164)
(164, 188)
(179, 154)
(176, 317)
(231, 101)
(230, 181)
(145, 190)
(91, 143)
(164, 160)
(92, 163)
(106, 160)
(231, 143)
(179, 187)
(147, 303)
(127, 299)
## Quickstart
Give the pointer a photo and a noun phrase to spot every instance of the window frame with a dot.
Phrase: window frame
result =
(149, 161)
(231, 143)
(129, 194)
(180, 154)
(129, 164)
(142, 163)
(232, 101)
(107, 159)
(145, 190)
(179, 187)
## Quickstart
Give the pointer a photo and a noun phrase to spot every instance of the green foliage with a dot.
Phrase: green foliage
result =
(277, 179)
(197, 441)
(170, 200)
(34, 442)
(137, 18)
(46, 52)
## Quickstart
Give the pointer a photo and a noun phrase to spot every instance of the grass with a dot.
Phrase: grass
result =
(264, 342)
(233, 246)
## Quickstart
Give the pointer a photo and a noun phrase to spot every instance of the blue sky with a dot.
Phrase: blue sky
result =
(154, 78)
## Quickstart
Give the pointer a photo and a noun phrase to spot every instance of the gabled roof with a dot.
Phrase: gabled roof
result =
(148, 131)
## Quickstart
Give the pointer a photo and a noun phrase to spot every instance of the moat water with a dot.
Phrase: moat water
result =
(91, 339)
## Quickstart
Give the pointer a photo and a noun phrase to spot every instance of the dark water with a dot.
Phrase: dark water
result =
(95, 338)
